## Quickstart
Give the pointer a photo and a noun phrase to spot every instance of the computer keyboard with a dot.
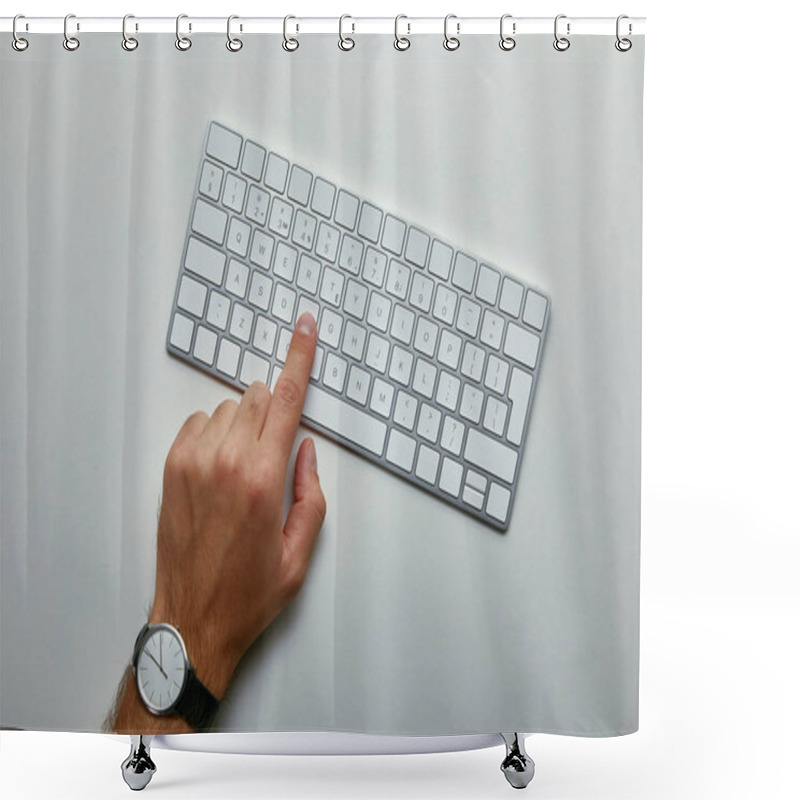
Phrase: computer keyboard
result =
(427, 357)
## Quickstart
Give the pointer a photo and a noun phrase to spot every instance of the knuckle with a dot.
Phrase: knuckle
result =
(227, 406)
(227, 465)
(288, 391)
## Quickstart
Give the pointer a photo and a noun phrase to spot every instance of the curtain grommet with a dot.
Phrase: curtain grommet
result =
(623, 44)
(129, 43)
(290, 44)
(233, 44)
(561, 43)
(19, 43)
(507, 42)
(71, 43)
(346, 43)
(183, 43)
(451, 43)
(401, 43)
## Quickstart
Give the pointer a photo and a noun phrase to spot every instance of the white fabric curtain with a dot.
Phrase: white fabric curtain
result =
(416, 619)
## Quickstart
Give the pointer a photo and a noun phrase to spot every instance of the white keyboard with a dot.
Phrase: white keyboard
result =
(427, 357)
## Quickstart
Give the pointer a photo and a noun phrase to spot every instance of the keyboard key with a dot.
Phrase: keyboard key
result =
(441, 258)
(447, 393)
(400, 368)
(224, 145)
(490, 455)
(429, 420)
(308, 274)
(241, 322)
(444, 306)
(181, 334)
(192, 296)
(260, 290)
(494, 418)
(488, 283)
(257, 205)
(234, 193)
(496, 375)
(322, 200)
(254, 368)
(355, 338)
(330, 327)
(424, 378)
(402, 324)
(519, 393)
(253, 160)
(355, 298)
(468, 315)
(284, 341)
(450, 479)
(452, 435)
(400, 450)
(283, 303)
(417, 247)
(535, 308)
(497, 503)
(471, 404)
(306, 305)
(332, 286)
(327, 242)
(449, 349)
(492, 329)
(464, 272)
(472, 365)
(394, 232)
(425, 338)
(264, 338)
(427, 464)
(299, 185)
(382, 396)
(285, 262)
(511, 297)
(335, 369)
(369, 225)
(280, 217)
(421, 292)
(261, 252)
(277, 170)
(305, 226)
(316, 367)
(236, 282)
(476, 481)
(374, 267)
(209, 221)
(205, 345)
(218, 308)
(238, 237)
(210, 180)
(472, 497)
(405, 412)
(399, 276)
(344, 420)
(350, 258)
(521, 345)
(377, 353)
(380, 308)
(228, 358)
(346, 210)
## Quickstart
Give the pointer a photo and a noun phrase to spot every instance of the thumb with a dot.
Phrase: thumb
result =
(305, 516)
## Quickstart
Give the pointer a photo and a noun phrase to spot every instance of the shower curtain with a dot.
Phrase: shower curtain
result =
(416, 617)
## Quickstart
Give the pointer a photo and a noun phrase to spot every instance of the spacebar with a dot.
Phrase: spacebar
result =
(344, 420)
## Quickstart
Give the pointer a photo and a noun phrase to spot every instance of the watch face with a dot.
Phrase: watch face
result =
(161, 668)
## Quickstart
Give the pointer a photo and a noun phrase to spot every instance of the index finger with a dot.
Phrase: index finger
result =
(289, 394)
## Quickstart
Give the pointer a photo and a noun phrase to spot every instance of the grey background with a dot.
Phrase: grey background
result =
(411, 621)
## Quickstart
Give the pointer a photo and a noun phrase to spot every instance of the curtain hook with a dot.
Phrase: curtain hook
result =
(290, 44)
(182, 42)
(70, 42)
(451, 42)
(507, 42)
(18, 43)
(623, 44)
(129, 43)
(401, 42)
(561, 43)
(233, 44)
(346, 42)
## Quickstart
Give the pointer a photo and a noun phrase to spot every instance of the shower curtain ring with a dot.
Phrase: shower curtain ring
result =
(70, 42)
(623, 44)
(561, 43)
(507, 42)
(290, 44)
(233, 44)
(401, 42)
(18, 43)
(451, 42)
(129, 43)
(182, 42)
(346, 42)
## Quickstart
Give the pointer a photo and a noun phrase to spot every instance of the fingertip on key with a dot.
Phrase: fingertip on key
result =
(306, 324)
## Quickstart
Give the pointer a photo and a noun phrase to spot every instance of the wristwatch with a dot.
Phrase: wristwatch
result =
(166, 680)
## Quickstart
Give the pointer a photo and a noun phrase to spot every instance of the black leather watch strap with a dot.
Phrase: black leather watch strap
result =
(196, 704)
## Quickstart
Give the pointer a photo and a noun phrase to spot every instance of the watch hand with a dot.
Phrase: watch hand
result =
(160, 651)
(155, 662)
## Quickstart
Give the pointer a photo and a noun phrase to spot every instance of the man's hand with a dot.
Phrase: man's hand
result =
(227, 563)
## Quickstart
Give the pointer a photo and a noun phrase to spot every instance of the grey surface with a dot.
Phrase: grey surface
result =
(413, 620)
(334, 432)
